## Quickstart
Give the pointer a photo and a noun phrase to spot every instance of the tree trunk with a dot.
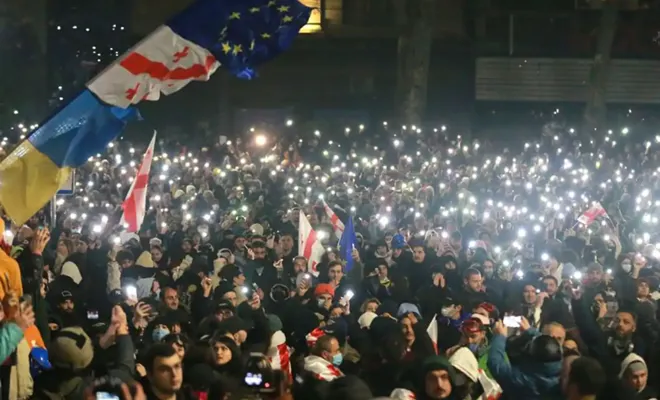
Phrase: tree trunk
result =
(414, 52)
(595, 113)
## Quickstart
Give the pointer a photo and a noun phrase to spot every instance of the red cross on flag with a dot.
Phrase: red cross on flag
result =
(163, 62)
(589, 216)
(337, 225)
(136, 201)
(308, 244)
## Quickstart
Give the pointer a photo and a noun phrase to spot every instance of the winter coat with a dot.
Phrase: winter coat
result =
(527, 381)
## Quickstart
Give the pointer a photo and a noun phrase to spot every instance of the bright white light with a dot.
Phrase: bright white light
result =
(260, 140)
(289, 122)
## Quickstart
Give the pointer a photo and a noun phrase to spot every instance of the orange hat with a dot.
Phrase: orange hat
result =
(324, 288)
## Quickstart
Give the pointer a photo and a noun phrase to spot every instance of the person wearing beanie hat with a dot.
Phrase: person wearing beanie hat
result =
(438, 379)
(634, 373)
(323, 294)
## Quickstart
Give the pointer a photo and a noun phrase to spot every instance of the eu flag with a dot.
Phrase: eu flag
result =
(242, 34)
(347, 243)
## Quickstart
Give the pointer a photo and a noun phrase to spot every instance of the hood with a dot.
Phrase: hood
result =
(630, 358)
(366, 319)
(406, 308)
(71, 270)
(465, 361)
(543, 378)
(145, 260)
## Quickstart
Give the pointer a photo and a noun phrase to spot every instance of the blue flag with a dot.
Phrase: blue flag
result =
(347, 243)
(242, 34)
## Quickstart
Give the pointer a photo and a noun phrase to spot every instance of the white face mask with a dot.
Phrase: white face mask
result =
(626, 267)
(447, 311)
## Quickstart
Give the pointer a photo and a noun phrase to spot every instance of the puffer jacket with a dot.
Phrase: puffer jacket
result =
(529, 380)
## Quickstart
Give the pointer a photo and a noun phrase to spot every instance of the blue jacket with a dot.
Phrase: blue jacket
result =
(529, 381)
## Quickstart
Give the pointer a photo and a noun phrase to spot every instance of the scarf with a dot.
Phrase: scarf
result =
(322, 369)
(621, 346)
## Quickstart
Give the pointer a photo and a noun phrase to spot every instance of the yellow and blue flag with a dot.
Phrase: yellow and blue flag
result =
(32, 174)
(235, 34)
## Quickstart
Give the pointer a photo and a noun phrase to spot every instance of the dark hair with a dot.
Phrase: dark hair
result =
(334, 264)
(587, 375)
(258, 244)
(551, 277)
(124, 255)
(471, 271)
(159, 350)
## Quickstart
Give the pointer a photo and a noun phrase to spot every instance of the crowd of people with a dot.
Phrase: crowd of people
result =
(478, 272)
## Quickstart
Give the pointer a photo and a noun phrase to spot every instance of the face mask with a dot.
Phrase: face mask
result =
(488, 273)
(320, 303)
(159, 333)
(473, 347)
(447, 311)
(337, 359)
(626, 267)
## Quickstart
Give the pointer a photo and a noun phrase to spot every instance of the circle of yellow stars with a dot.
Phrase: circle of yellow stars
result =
(236, 49)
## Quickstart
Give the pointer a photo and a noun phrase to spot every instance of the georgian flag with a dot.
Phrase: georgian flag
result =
(337, 225)
(590, 215)
(308, 244)
(136, 201)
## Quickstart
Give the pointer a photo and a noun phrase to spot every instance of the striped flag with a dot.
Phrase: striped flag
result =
(237, 34)
(432, 331)
(337, 225)
(308, 245)
(135, 204)
(279, 355)
(590, 215)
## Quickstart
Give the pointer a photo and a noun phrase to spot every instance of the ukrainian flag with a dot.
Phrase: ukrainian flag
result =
(33, 173)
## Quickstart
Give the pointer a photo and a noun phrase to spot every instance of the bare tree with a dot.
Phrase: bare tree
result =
(414, 20)
(595, 113)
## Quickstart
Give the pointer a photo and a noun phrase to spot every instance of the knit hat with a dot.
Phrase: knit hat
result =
(438, 363)
(71, 349)
(324, 288)
(407, 308)
(398, 242)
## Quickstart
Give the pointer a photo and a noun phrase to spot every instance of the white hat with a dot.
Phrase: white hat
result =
(366, 319)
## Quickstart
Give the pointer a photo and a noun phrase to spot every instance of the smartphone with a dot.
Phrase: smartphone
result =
(92, 315)
(512, 321)
(106, 396)
(131, 292)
